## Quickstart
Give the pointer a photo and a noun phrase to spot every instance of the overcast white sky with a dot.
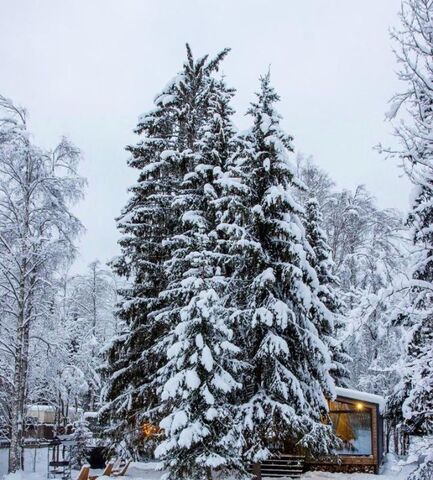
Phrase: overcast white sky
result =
(88, 68)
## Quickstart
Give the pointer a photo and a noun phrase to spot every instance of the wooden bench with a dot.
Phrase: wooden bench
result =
(121, 471)
(106, 473)
(84, 473)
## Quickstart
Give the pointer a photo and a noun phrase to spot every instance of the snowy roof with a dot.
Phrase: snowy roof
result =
(91, 414)
(363, 396)
(42, 408)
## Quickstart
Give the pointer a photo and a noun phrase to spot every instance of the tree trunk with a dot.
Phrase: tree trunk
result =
(20, 378)
(16, 453)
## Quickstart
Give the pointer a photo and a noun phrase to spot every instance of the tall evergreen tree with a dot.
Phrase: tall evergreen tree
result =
(328, 320)
(162, 156)
(144, 223)
(413, 396)
(200, 376)
(289, 377)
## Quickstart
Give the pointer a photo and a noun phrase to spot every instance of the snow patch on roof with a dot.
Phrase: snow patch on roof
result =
(362, 396)
(91, 414)
(41, 408)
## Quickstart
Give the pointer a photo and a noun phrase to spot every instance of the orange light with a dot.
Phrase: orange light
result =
(359, 406)
(149, 430)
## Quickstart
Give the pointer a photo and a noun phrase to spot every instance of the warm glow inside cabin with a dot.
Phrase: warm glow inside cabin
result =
(357, 420)
(352, 423)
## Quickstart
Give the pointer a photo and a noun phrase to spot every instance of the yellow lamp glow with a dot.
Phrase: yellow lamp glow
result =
(359, 406)
(149, 430)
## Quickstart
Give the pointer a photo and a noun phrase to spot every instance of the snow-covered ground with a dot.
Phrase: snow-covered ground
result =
(392, 470)
(40, 461)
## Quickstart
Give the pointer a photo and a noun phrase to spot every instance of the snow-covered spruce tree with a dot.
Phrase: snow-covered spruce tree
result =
(81, 436)
(200, 377)
(289, 379)
(37, 228)
(413, 397)
(329, 321)
(164, 154)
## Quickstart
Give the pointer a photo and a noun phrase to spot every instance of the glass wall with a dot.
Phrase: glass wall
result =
(352, 424)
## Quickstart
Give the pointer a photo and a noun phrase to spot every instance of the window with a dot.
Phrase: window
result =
(352, 424)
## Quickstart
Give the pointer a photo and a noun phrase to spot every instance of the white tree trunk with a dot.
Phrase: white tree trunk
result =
(18, 401)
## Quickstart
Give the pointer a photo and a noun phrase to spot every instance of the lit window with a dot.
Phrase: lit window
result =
(353, 427)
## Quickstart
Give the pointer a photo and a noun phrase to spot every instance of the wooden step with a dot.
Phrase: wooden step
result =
(280, 466)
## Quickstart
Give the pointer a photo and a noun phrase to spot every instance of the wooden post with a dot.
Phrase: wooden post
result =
(256, 471)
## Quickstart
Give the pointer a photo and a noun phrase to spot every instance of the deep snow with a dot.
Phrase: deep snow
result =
(392, 470)
(29, 457)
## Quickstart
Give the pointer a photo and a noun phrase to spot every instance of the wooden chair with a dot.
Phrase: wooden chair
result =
(106, 473)
(84, 473)
(122, 471)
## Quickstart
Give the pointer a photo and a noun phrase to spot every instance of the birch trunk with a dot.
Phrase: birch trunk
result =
(16, 452)
(17, 413)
